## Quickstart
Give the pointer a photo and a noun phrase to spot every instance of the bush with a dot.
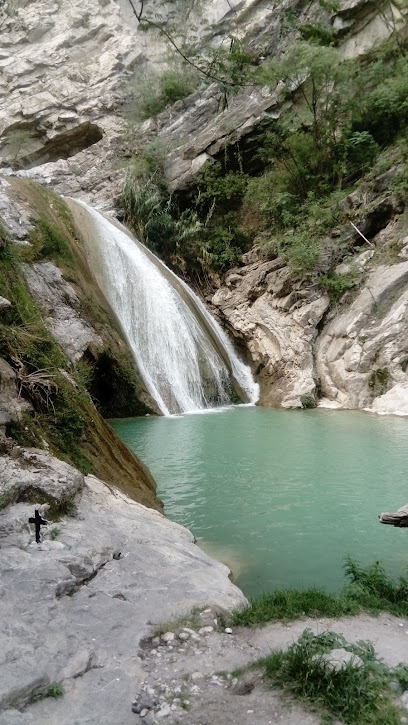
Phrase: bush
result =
(172, 86)
(356, 695)
(336, 285)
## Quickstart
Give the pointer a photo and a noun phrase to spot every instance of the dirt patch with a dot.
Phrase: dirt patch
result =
(193, 677)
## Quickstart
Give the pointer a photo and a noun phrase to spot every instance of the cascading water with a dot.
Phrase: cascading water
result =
(185, 359)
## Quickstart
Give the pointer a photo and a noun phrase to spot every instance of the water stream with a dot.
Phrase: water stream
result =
(185, 359)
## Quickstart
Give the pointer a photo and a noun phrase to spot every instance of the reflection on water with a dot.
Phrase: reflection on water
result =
(283, 495)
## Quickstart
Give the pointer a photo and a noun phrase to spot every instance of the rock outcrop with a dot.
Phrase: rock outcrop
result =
(68, 71)
(278, 324)
(78, 603)
(364, 350)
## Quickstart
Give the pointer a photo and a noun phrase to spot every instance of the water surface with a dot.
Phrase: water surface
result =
(281, 495)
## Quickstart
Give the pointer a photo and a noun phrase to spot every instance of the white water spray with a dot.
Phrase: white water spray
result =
(184, 357)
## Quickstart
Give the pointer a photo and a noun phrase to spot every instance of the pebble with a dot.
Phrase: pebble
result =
(228, 630)
(206, 630)
(183, 636)
(168, 637)
(144, 712)
(164, 710)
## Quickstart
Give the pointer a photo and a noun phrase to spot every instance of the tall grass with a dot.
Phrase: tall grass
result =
(370, 589)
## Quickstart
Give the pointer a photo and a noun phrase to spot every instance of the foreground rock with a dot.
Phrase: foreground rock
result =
(78, 604)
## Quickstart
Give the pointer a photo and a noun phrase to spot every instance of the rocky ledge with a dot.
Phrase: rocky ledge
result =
(107, 571)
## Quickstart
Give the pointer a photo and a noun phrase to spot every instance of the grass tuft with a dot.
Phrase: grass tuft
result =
(370, 589)
(357, 695)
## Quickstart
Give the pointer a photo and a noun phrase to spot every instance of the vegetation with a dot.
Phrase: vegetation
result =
(370, 589)
(289, 195)
(357, 695)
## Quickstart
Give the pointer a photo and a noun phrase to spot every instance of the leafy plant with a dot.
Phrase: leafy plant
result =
(357, 694)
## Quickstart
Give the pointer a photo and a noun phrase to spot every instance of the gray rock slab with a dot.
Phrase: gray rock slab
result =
(35, 470)
(75, 610)
(337, 660)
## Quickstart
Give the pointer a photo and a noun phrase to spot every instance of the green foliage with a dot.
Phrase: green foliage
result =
(55, 689)
(197, 241)
(400, 673)
(68, 507)
(383, 111)
(49, 242)
(290, 604)
(336, 285)
(308, 401)
(218, 192)
(8, 497)
(374, 582)
(379, 380)
(54, 532)
(318, 33)
(172, 87)
(303, 253)
(150, 94)
(370, 589)
(356, 695)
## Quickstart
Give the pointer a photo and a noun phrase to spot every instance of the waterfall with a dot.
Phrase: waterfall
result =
(185, 359)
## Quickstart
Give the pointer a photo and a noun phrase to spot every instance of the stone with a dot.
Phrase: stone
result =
(228, 630)
(196, 676)
(337, 660)
(164, 711)
(60, 306)
(4, 303)
(168, 637)
(368, 335)
(12, 405)
(89, 639)
(37, 470)
(404, 699)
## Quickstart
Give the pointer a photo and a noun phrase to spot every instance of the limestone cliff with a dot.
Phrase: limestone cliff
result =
(68, 72)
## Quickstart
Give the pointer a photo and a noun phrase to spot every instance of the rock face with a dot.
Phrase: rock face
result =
(12, 405)
(358, 359)
(66, 72)
(78, 603)
(364, 351)
(278, 324)
(60, 303)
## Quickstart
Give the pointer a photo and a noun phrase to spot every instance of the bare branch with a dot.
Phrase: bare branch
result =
(362, 235)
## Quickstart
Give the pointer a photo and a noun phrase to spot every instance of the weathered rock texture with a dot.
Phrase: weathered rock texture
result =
(78, 604)
(66, 72)
(278, 324)
(354, 357)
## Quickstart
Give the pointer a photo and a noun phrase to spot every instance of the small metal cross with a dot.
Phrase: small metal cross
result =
(38, 520)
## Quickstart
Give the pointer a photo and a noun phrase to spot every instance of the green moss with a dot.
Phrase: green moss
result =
(49, 242)
(308, 401)
(379, 380)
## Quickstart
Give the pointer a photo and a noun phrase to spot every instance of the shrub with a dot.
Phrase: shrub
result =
(336, 285)
(356, 695)
(172, 86)
(308, 401)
